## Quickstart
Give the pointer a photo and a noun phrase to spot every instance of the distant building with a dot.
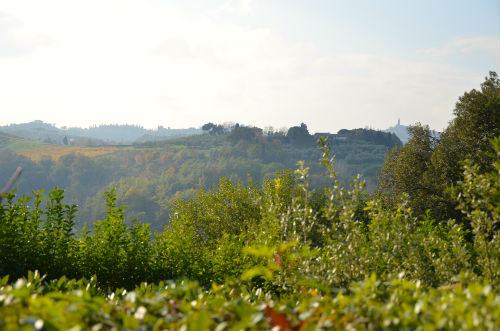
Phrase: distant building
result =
(399, 130)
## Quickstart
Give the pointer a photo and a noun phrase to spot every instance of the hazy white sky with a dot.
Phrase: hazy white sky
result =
(331, 64)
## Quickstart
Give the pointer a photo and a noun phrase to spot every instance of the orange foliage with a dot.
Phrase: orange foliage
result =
(132, 191)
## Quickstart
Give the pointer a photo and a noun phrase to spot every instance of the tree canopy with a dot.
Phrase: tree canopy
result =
(299, 135)
(427, 166)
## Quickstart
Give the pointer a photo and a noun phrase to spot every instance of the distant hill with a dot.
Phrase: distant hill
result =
(93, 136)
(152, 173)
(401, 131)
(127, 134)
(15, 144)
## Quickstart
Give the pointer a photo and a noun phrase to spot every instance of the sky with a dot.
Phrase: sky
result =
(331, 64)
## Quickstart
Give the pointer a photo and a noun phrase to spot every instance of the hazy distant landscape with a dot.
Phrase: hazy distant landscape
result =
(249, 165)
(93, 136)
(149, 175)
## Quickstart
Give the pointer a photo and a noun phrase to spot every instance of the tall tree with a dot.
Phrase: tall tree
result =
(299, 135)
(467, 137)
(213, 129)
(425, 168)
(476, 122)
(405, 170)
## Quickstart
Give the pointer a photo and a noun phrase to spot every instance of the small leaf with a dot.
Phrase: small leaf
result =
(257, 271)
(277, 319)
(199, 321)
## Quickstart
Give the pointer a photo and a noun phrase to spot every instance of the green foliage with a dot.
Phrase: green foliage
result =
(426, 166)
(374, 136)
(230, 208)
(242, 133)
(405, 172)
(333, 237)
(287, 256)
(120, 255)
(213, 129)
(35, 237)
(299, 135)
(373, 304)
(478, 198)
(477, 120)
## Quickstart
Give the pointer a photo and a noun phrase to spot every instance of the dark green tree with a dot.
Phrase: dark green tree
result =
(299, 135)
(467, 137)
(425, 168)
(208, 126)
(476, 122)
(242, 133)
(213, 129)
(372, 136)
(405, 171)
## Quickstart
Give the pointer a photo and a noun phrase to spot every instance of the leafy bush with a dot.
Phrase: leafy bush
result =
(35, 237)
(34, 304)
(334, 236)
(478, 198)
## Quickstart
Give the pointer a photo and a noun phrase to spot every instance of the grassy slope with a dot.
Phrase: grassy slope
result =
(16, 144)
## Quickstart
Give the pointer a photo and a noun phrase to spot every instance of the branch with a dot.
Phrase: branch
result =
(11, 182)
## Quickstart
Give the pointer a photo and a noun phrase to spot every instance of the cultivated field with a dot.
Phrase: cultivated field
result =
(56, 151)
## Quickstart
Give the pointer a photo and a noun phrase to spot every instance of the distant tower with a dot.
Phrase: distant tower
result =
(399, 122)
